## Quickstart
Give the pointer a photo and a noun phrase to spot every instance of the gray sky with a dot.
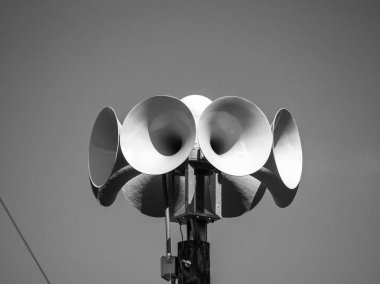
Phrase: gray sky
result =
(61, 62)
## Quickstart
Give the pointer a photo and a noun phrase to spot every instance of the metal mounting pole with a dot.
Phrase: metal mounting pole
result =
(169, 258)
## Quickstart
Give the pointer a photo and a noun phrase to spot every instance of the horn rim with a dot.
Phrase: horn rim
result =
(266, 136)
(288, 165)
(165, 164)
(109, 114)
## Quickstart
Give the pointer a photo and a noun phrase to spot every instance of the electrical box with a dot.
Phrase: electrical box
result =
(169, 267)
(202, 192)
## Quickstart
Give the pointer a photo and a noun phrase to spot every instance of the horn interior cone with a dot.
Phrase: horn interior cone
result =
(104, 150)
(108, 170)
(235, 136)
(287, 150)
(282, 172)
(158, 135)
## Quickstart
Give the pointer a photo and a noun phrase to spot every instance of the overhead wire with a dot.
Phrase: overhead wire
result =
(24, 240)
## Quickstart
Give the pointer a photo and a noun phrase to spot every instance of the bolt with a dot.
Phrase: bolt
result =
(187, 263)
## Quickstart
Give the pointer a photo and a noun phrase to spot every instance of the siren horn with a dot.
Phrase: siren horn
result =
(145, 193)
(240, 194)
(235, 136)
(281, 174)
(197, 104)
(158, 135)
(108, 170)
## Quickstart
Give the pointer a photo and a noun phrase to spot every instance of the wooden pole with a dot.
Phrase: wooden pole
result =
(196, 252)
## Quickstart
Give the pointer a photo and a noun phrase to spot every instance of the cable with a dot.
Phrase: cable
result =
(167, 223)
(23, 239)
(167, 214)
(192, 228)
(180, 229)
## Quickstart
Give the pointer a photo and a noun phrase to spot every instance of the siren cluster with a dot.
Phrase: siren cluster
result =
(230, 140)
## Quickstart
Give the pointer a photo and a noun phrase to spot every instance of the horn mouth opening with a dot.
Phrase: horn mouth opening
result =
(167, 145)
(235, 136)
(103, 148)
(158, 135)
(287, 149)
(167, 135)
(225, 132)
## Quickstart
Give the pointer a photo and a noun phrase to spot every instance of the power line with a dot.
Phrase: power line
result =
(23, 239)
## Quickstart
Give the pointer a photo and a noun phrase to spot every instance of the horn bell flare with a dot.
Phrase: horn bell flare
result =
(158, 135)
(104, 147)
(287, 149)
(235, 136)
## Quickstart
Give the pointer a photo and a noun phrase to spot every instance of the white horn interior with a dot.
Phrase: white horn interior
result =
(235, 136)
(104, 145)
(287, 150)
(158, 135)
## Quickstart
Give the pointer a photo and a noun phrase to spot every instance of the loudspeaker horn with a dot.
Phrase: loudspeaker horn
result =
(240, 194)
(108, 170)
(235, 136)
(282, 172)
(145, 193)
(197, 104)
(158, 135)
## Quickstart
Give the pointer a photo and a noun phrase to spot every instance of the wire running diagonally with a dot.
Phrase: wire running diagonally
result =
(23, 239)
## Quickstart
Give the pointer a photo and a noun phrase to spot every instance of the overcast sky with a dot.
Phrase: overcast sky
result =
(61, 62)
